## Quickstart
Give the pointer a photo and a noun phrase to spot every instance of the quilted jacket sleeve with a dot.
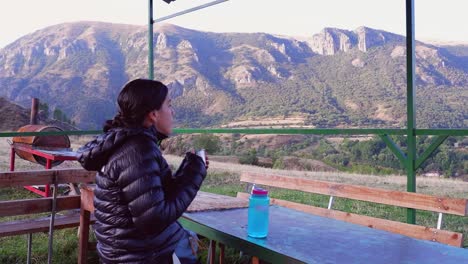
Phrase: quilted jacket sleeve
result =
(142, 188)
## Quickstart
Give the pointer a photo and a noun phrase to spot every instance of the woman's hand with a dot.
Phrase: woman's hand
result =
(207, 162)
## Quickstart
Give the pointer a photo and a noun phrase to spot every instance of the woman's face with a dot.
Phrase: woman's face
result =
(163, 117)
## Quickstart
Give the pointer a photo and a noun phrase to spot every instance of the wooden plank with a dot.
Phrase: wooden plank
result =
(83, 239)
(415, 231)
(40, 205)
(202, 202)
(402, 199)
(36, 177)
(38, 225)
(211, 201)
(87, 198)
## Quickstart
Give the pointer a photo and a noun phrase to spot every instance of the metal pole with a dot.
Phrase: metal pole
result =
(151, 23)
(410, 106)
(28, 259)
(150, 41)
(190, 10)
(52, 222)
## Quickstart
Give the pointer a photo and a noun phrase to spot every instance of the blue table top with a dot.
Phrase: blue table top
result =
(315, 239)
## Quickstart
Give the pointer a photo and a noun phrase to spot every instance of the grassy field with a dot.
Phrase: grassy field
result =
(224, 179)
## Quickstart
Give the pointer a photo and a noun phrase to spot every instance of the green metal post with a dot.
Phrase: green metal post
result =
(150, 41)
(410, 107)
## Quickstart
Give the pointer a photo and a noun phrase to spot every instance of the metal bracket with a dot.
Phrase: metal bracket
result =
(427, 153)
(330, 202)
(394, 148)
(439, 221)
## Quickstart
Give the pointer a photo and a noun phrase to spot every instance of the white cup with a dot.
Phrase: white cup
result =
(201, 154)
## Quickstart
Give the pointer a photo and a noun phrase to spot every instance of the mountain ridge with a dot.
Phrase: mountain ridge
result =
(217, 78)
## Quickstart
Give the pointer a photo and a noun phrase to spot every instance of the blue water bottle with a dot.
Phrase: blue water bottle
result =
(259, 204)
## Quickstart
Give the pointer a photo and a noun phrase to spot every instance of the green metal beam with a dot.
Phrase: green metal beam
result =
(50, 133)
(150, 41)
(274, 131)
(283, 131)
(410, 106)
(427, 153)
(238, 243)
(441, 132)
(394, 148)
(293, 131)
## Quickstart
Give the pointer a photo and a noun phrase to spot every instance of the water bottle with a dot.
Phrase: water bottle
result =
(258, 215)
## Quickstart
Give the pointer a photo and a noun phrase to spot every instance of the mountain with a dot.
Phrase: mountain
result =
(13, 117)
(335, 78)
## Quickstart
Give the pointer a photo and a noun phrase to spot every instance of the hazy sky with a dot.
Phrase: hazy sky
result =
(444, 20)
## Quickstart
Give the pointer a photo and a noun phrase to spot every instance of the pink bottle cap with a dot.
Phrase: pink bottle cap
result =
(259, 191)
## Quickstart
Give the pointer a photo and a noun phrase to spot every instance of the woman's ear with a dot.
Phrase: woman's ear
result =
(150, 119)
(154, 115)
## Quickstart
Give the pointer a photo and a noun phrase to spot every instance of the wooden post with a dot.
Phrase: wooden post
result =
(34, 110)
(84, 236)
(12, 158)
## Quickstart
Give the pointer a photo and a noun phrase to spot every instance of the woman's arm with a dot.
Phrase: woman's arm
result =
(141, 185)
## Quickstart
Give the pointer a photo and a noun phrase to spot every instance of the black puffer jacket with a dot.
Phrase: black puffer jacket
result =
(137, 199)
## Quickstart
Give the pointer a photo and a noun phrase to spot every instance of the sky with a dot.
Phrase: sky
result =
(441, 20)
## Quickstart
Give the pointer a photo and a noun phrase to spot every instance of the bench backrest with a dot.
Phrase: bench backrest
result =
(382, 196)
(397, 198)
(41, 205)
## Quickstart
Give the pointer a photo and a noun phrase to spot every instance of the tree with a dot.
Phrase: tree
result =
(44, 107)
(210, 143)
(58, 114)
(249, 157)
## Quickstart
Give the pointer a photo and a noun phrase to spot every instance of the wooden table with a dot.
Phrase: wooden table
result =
(297, 237)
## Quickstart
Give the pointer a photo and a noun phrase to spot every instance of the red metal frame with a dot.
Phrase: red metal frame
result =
(49, 158)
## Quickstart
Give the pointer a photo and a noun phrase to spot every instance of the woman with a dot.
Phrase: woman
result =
(137, 198)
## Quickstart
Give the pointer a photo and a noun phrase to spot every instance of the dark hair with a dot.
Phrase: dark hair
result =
(135, 101)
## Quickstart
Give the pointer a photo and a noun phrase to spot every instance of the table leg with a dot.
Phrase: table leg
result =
(255, 260)
(221, 253)
(212, 252)
(12, 159)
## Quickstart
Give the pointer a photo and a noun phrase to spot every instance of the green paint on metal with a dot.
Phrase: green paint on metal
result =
(150, 41)
(394, 148)
(441, 132)
(410, 106)
(427, 153)
(293, 131)
(54, 133)
(241, 244)
(276, 131)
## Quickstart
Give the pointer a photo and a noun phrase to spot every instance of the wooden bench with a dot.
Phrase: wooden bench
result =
(67, 205)
(440, 205)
